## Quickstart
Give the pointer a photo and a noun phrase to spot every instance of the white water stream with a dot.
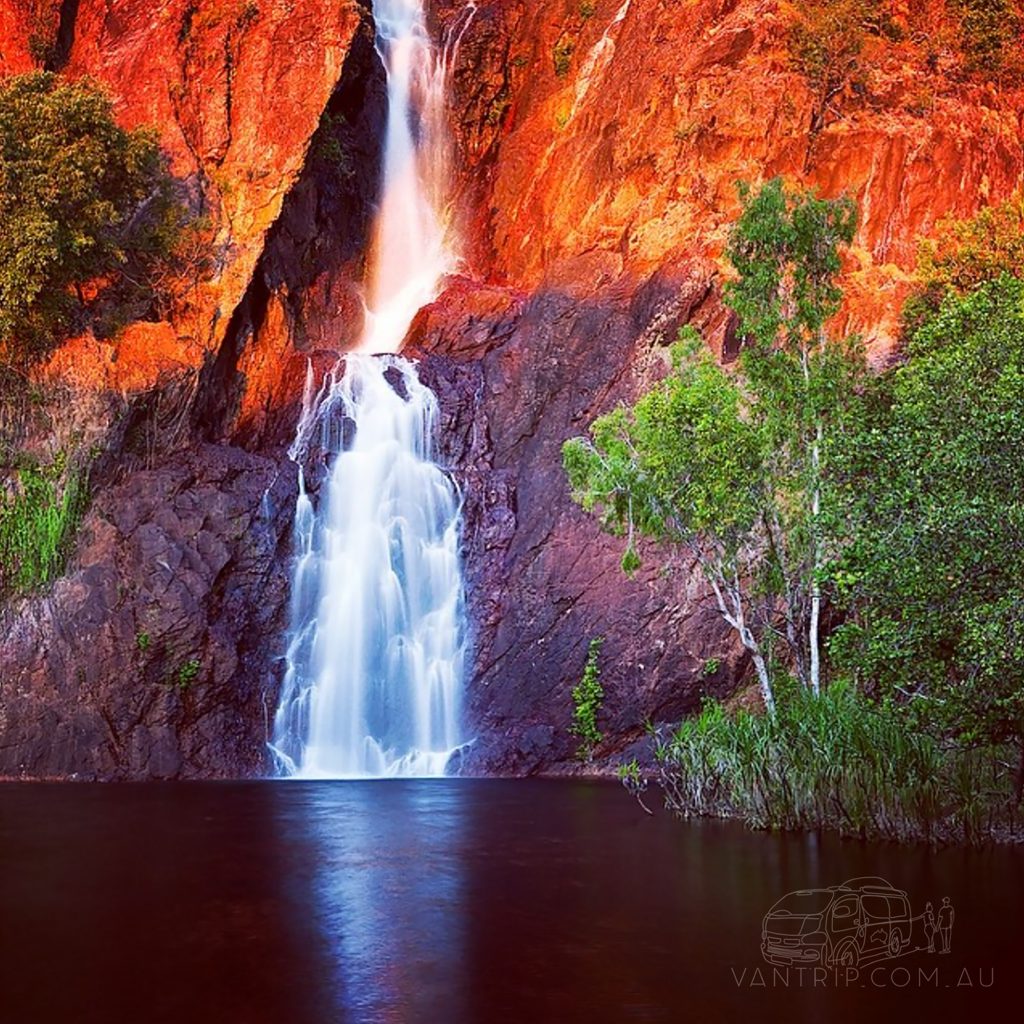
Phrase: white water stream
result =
(375, 651)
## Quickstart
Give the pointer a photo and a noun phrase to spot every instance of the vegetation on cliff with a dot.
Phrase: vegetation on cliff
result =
(38, 520)
(739, 470)
(587, 698)
(877, 519)
(86, 207)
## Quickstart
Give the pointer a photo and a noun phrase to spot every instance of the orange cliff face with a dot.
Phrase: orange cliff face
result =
(617, 130)
(236, 90)
(599, 143)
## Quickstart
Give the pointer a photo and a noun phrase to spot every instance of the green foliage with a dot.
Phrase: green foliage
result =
(634, 781)
(681, 463)
(79, 199)
(963, 255)
(990, 38)
(587, 10)
(837, 761)
(738, 470)
(142, 642)
(188, 673)
(711, 667)
(328, 144)
(38, 521)
(785, 249)
(825, 45)
(933, 582)
(587, 699)
(562, 56)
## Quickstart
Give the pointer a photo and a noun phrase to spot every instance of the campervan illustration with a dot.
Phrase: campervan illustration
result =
(859, 922)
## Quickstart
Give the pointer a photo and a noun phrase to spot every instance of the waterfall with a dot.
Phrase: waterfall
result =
(375, 645)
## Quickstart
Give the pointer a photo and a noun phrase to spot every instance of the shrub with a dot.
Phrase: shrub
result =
(188, 673)
(825, 44)
(990, 37)
(587, 698)
(562, 57)
(80, 199)
(965, 254)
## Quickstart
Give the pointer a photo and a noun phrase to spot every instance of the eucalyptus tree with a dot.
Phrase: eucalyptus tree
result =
(684, 466)
(785, 251)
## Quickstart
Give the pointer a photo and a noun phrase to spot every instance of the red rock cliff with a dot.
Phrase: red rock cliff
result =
(598, 146)
(619, 128)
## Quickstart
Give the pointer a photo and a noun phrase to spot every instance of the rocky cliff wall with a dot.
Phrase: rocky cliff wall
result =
(598, 147)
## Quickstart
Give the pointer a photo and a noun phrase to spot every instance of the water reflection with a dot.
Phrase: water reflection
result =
(387, 893)
(444, 901)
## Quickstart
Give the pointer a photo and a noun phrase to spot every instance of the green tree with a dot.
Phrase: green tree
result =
(684, 466)
(785, 250)
(934, 580)
(79, 196)
(738, 469)
(825, 43)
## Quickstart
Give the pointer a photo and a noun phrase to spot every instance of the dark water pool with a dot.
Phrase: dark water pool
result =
(450, 901)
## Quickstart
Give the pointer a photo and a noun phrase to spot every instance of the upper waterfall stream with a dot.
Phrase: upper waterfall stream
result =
(375, 648)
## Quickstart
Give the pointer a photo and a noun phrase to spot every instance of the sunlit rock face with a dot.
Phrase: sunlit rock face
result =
(235, 89)
(623, 132)
(597, 150)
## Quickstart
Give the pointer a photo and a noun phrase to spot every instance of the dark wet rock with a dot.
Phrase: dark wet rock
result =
(155, 657)
(541, 577)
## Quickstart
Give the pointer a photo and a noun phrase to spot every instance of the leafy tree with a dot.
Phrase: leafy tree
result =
(934, 581)
(737, 470)
(79, 197)
(825, 43)
(785, 249)
(684, 466)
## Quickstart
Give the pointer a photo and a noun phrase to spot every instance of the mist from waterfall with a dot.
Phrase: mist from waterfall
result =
(375, 649)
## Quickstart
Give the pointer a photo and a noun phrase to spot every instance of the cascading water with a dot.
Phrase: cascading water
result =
(374, 662)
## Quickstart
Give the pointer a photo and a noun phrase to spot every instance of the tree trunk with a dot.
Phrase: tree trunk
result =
(814, 628)
(736, 618)
(765, 683)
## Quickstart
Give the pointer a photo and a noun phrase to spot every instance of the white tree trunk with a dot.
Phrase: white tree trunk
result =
(813, 638)
(737, 619)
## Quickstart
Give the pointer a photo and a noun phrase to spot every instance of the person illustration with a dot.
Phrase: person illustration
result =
(945, 923)
(930, 927)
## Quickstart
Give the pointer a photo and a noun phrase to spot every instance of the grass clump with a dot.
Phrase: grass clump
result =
(38, 521)
(838, 761)
(187, 673)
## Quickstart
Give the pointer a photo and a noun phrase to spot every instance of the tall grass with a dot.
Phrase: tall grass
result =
(38, 521)
(838, 761)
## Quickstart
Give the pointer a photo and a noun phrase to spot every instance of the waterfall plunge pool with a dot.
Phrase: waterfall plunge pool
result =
(447, 901)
